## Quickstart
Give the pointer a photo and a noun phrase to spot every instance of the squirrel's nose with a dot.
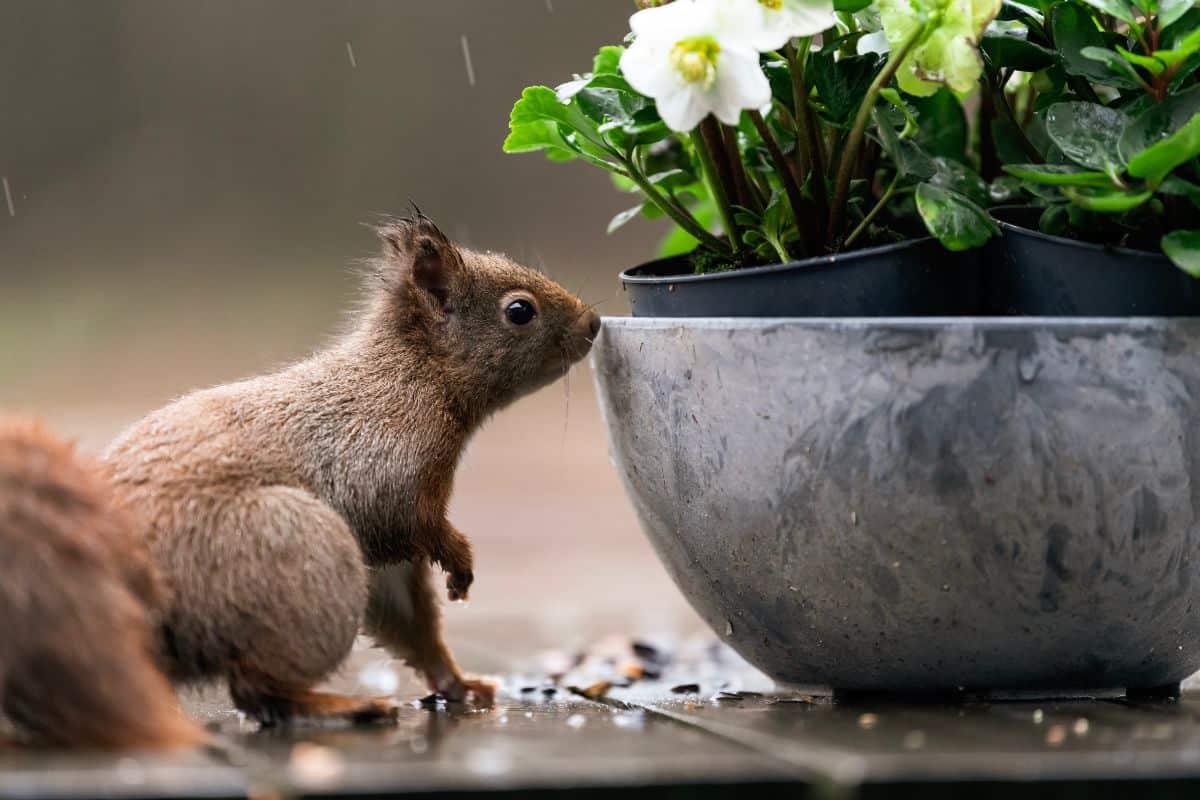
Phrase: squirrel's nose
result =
(593, 323)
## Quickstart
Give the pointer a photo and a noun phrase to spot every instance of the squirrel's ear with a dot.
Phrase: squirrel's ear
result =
(424, 256)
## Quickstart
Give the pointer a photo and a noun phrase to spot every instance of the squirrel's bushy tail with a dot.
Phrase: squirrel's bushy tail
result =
(77, 665)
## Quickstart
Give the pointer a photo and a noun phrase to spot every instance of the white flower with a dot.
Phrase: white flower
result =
(779, 21)
(695, 58)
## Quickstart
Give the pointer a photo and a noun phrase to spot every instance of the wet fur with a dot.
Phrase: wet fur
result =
(287, 510)
(77, 663)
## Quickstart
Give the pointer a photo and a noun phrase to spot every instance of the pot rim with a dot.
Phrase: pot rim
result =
(816, 262)
(1063, 240)
(1067, 324)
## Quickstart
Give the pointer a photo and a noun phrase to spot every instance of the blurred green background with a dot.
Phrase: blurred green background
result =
(189, 183)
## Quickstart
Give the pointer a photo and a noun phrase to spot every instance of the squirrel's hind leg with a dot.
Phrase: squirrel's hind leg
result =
(272, 704)
(290, 587)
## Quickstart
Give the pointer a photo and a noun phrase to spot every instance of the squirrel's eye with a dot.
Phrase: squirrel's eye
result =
(520, 312)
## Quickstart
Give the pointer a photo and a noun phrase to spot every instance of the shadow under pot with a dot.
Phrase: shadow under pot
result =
(1036, 274)
(915, 278)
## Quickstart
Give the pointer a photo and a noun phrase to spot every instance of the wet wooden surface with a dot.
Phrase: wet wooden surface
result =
(726, 734)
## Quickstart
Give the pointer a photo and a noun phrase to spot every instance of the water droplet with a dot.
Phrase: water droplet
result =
(1028, 366)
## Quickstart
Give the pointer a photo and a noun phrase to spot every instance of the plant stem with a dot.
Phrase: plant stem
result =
(796, 59)
(707, 143)
(790, 187)
(810, 153)
(676, 212)
(862, 226)
(841, 186)
(733, 158)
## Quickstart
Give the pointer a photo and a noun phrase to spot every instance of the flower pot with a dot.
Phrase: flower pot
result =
(914, 278)
(897, 505)
(1035, 274)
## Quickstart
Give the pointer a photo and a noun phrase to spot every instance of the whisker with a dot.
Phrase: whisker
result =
(566, 357)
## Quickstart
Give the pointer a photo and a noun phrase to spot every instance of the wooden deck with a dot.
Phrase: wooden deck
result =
(731, 736)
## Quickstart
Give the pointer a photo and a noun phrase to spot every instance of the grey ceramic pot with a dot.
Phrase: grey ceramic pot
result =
(922, 505)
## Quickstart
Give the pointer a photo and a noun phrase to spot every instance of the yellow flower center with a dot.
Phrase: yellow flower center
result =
(695, 58)
(774, 5)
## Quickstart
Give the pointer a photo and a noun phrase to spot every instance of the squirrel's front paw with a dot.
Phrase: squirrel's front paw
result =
(459, 583)
(482, 690)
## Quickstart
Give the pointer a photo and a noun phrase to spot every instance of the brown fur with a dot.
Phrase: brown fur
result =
(76, 662)
(276, 505)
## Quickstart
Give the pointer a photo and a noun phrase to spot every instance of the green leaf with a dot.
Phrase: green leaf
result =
(1107, 202)
(540, 103)
(1180, 50)
(1120, 72)
(911, 127)
(1088, 133)
(1073, 30)
(1175, 185)
(842, 83)
(608, 60)
(1115, 8)
(943, 126)
(1159, 121)
(1017, 52)
(780, 77)
(850, 6)
(909, 158)
(1055, 220)
(1003, 190)
(1156, 161)
(1183, 248)
(1011, 9)
(1184, 73)
(1152, 65)
(957, 223)
(959, 178)
(1190, 24)
(1058, 175)
(625, 217)
(602, 105)
(1171, 11)
(537, 135)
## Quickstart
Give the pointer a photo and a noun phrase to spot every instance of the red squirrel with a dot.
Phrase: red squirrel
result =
(287, 511)
(78, 658)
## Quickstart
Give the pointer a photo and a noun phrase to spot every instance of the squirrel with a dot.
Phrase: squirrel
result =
(288, 511)
(78, 662)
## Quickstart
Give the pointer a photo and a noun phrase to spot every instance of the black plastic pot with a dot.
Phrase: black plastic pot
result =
(1035, 274)
(917, 278)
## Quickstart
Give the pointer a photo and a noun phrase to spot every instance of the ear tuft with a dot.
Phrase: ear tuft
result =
(424, 255)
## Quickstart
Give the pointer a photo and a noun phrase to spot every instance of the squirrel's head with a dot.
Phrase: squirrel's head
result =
(494, 329)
